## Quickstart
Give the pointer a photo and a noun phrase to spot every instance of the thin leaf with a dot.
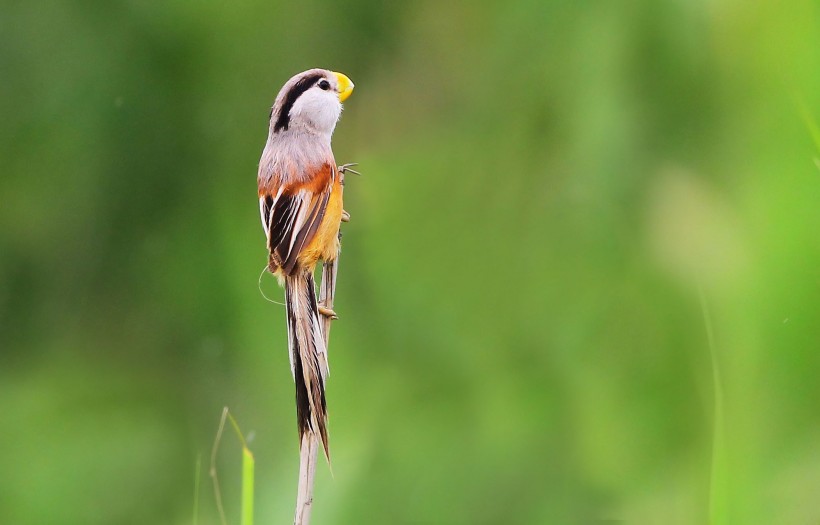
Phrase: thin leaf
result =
(247, 486)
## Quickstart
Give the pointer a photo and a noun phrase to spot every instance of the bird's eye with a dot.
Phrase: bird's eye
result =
(324, 85)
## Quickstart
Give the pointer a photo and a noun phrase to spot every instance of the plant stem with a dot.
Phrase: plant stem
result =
(309, 447)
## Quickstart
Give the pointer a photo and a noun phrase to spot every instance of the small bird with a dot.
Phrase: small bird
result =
(300, 200)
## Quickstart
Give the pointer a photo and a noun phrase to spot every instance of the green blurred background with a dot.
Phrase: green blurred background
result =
(559, 198)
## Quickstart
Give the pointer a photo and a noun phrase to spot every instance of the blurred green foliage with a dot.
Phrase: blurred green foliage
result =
(547, 186)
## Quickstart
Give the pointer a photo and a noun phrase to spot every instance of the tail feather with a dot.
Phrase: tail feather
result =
(308, 355)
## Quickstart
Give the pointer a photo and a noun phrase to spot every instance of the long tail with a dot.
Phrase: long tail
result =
(308, 355)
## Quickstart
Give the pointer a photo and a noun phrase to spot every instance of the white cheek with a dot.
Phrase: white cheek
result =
(321, 108)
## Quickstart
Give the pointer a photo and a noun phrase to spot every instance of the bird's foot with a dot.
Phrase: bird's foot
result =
(344, 168)
(327, 312)
(345, 216)
(348, 167)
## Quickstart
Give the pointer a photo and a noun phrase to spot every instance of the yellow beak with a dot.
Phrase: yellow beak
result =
(345, 86)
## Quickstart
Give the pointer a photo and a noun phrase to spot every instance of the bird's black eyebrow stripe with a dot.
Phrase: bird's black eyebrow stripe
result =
(283, 118)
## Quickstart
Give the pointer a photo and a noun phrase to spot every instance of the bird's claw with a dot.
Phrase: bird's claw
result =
(327, 312)
(348, 167)
(345, 216)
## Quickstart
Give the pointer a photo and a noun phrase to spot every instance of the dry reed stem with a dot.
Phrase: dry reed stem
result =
(309, 448)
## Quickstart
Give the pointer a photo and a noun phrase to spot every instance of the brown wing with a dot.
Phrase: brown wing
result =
(292, 215)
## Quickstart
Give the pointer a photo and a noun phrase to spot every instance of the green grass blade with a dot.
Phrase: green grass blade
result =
(717, 485)
(247, 486)
(247, 474)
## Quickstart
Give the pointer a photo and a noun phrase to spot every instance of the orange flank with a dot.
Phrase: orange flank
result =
(318, 201)
(325, 243)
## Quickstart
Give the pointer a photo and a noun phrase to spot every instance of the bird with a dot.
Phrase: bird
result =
(300, 202)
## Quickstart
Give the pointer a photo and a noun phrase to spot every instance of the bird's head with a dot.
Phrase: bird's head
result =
(311, 100)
